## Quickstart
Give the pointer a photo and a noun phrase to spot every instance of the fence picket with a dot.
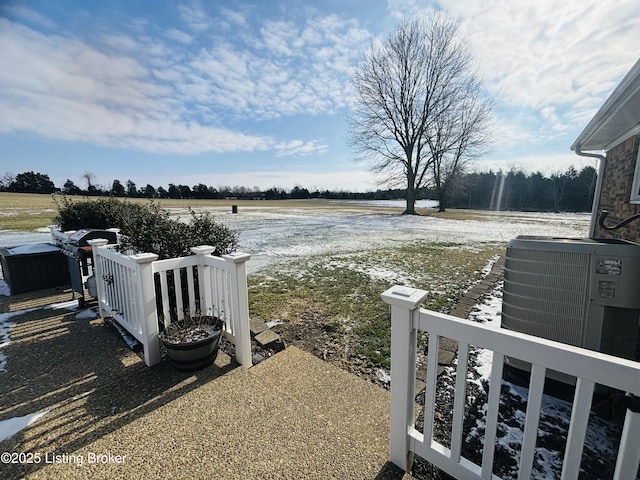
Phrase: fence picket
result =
(629, 453)
(164, 289)
(177, 281)
(530, 435)
(430, 388)
(192, 291)
(493, 406)
(577, 429)
(124, 280)
(459, 401)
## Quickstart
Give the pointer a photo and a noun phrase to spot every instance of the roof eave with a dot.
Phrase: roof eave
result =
(611, 114)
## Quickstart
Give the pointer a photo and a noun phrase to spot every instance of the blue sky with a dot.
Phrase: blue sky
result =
(257, 93)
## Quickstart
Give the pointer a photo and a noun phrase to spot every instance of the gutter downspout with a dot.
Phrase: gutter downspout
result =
(596, 194)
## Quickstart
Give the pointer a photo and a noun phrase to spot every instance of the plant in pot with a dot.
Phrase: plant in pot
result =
(193, 342)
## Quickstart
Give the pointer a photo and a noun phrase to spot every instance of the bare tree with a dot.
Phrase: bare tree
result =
(408, 89)
(89, 177)
(6, 180)
(460, 133)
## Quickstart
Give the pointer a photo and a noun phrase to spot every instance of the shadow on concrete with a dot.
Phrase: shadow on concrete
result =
(389, 471)
(85, 376)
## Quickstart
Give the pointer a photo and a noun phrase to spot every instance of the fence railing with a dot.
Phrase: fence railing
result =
(144, 294)
(590, 368)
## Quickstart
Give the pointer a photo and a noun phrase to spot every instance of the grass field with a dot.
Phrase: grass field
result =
(331, 304)
(28, 211)
(324, 264)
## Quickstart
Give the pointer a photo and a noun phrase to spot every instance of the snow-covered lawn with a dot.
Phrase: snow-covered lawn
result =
(276, 236)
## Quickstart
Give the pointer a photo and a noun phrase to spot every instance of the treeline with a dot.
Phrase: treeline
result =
(570, 191)
(32, 182)
(513, 190)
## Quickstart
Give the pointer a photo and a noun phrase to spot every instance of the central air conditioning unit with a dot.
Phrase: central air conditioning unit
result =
(582, 292)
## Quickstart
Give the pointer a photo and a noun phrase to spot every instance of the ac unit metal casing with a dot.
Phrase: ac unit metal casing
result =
(583, 292)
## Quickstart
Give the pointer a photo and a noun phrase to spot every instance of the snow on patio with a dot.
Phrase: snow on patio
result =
(10, 427)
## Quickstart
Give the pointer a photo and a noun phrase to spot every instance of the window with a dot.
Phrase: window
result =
(635, 186)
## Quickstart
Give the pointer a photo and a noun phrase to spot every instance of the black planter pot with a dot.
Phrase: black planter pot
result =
(193, 355)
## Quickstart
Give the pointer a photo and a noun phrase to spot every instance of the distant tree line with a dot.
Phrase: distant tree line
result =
(514, 190)
(570, 191)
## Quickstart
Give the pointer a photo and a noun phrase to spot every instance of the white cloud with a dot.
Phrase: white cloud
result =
(127, 88)
(560, 58)
(280, 71)
(60, 87)
(278, 37)
(235, 18)
(553, 52)
(300, 148)
(179, 36)
(194, 16)
(21, 11)
(121, 42)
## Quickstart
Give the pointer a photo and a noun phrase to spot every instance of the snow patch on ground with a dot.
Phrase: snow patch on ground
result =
(375, 272)
(488, 310)
(6, 324)
(70, 305)
(88, 314)
(11, 426)
(276, 236)
(126, 336)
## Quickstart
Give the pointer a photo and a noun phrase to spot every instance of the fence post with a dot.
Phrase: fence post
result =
(404, 303)
(204, 278)
(628, 453)
(97, 270)
(240, 307)
(145, 300)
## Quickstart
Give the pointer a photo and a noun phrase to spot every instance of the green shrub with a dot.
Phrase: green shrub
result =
(101, 213)
(147, 228)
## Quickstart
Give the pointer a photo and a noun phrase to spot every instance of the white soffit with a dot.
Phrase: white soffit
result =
(617, 119)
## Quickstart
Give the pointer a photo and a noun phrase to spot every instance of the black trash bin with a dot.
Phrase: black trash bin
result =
(27, 268)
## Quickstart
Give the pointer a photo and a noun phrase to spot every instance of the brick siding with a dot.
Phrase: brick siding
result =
(616, 189)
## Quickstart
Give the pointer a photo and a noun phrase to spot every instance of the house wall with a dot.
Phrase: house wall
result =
(616, 189)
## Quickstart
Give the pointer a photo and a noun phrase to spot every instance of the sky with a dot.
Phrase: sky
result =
(258, 93)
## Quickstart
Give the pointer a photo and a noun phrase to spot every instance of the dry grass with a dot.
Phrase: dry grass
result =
(339, 296)
(28, 211)
(25, 211)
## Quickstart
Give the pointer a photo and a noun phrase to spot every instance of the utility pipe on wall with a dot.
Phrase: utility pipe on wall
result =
(596, 194)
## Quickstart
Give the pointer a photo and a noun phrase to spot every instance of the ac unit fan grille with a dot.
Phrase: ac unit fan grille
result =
(545, 293)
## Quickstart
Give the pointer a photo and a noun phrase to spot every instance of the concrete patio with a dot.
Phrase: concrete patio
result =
(110, 416)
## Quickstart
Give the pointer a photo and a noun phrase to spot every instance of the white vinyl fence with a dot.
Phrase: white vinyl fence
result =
(590, 368)
(200, 284)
